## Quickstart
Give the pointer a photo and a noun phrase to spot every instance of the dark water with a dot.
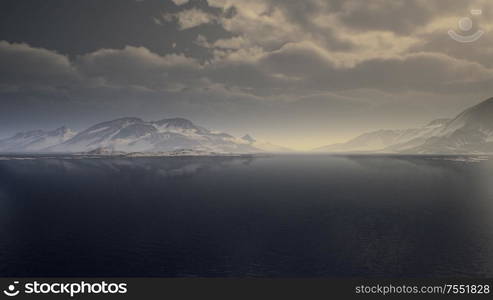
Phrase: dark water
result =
(280, 216)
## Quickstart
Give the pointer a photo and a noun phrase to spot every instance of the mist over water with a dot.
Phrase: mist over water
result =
(275, 216)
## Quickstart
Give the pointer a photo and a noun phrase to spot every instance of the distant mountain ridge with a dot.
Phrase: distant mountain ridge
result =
(471, 132)
(34, 140)
(127, 135)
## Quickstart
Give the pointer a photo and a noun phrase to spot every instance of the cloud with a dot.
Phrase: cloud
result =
(190, 18)
(351, 30)
(304, 66)
(180, 2)
(294, 69)
(401, 16)
(420, 72)
(22, 65)
(137, 66)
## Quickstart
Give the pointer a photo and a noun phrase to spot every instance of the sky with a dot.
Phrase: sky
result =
(301, 74)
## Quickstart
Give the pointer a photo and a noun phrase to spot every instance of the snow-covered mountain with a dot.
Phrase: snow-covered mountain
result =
(469, 132)
(388, 139)
(130, 135)
(36, 140)
(136, 135)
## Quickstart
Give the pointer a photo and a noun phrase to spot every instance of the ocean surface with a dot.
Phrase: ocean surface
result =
(273, 216)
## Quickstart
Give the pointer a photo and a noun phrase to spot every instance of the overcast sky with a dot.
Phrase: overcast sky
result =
(296, 73)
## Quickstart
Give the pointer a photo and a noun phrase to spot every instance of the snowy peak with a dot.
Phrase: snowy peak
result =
(469, 132)
(128, 135)
(478, 117)
(29, 134)
(179, 124)
(36, 140)
(135, 131)
(98, 134)
(388, 140)
(118, 123)
(176, 123)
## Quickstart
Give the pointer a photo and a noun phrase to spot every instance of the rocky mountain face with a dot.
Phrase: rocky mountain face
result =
(471, 132)
(128, 135)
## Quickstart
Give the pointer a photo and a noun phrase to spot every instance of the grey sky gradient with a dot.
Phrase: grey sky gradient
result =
(297, 73)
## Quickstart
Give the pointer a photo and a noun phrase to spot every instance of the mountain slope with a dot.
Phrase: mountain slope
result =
(127, 135)
(388, 140)
(469, 132)
(371, 141)
(35, 140)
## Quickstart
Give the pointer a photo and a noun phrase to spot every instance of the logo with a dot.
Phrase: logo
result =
(465, 25)
(11, 290)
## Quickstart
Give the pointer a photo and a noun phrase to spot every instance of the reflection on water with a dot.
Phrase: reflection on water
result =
(278, 216)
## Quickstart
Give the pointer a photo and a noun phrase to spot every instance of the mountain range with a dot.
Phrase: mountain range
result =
(131, 135)
(470, 132)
